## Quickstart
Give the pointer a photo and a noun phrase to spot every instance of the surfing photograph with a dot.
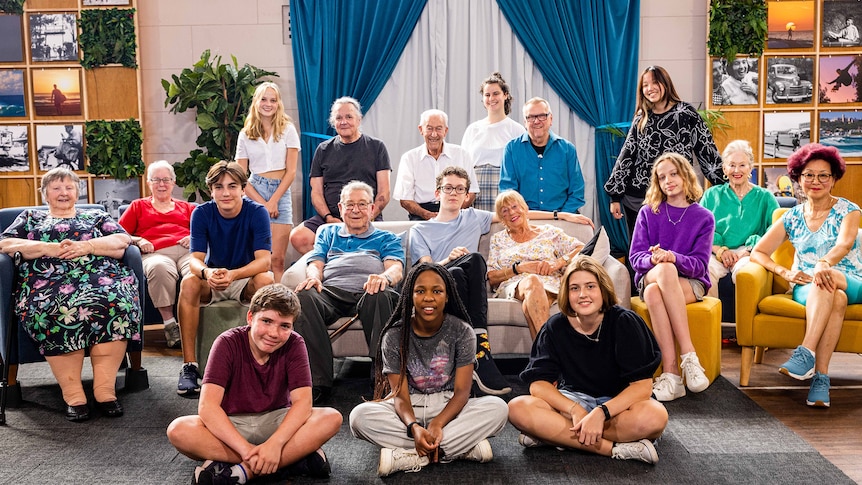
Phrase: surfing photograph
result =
(12, 101)
(842, 130)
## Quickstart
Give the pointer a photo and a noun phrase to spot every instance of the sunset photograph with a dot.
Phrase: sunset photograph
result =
(57, 92)
(790, 24)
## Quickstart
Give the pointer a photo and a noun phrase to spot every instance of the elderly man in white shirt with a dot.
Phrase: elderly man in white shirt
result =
(419, 167)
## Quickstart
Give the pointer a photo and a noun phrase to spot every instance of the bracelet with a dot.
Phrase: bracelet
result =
(515, 267)
(204, 274)
(572, 409)
(92, 247)
(410, 428)
(824, 260)
(720, 251)
(327, 216)
(607, 413)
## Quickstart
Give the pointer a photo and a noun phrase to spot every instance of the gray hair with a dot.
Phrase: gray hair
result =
(337, 104)
(160, 164)
(433, 112)
(354, 185)
(738, 146)
(536, 100)
(59, 173)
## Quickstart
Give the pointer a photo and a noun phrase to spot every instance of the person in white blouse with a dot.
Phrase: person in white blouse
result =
(268, 147)
(486, 139)
(418, 170)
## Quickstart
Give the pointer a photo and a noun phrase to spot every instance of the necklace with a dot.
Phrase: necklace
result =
(667, 210)
(598, 333)
(745, 191)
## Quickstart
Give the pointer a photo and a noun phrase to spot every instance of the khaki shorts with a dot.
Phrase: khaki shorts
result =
(256, 428)
(233, 292)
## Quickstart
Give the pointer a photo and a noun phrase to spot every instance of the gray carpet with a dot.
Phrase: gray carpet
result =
(718, 436)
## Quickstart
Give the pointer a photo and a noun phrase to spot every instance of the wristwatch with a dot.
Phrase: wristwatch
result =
(388, 279)
(410, 428)
(567, 258)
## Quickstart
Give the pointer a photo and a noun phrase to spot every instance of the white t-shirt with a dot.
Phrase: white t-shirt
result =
(266, 156)
(485, 142)
(417, 172)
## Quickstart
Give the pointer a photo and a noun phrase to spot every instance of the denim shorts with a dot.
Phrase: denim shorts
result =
(266, 187)
(697, 287)
(585, 400)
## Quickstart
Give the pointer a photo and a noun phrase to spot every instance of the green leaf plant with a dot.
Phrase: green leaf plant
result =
(221, 94)
(114, 148)
(737, 27)
(108, 37)
(12, 6)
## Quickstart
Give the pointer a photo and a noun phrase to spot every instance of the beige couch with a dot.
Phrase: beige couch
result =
(507, 327)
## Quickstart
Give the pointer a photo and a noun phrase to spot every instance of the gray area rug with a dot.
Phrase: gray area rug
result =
(718, 436)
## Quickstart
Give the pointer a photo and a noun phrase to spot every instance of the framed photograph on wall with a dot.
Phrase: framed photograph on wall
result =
(57, 92)
(788, 80)
(60, 146)
(790, 24)
(11, 41)
(14, 148)
(13, 103)
(777, 181)
(785, 132)
(842, 130)
(736, 83)
(841, 23)
(53, 37)
(113, 193)
(840, 79)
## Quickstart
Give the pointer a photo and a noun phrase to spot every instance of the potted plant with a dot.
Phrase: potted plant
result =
(221, 95)
(113, 148)
(737, 27)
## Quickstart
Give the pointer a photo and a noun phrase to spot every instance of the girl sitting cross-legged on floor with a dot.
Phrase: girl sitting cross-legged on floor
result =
(424, 413)
(590, 374)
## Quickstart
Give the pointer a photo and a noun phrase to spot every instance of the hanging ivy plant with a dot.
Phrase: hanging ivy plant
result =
(114, 148)
(12, 6)
(108, 37)
(737, 27)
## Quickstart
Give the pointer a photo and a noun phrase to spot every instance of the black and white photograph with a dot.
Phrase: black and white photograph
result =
(777, 181)
(12, 101)
(53, 37)
(840, 79)
(90, 3)
(785, 132)
(11, 41)
(735, 83)
(790, 24)
(841, 23)
(842, 130)
(788, 80)
(113, 193)
(60, 146)
(14, 145)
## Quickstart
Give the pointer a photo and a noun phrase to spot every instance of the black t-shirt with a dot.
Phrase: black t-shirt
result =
(340, 163)
(626, 352)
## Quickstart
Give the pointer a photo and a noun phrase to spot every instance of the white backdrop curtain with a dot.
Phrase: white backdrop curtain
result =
(456, 45)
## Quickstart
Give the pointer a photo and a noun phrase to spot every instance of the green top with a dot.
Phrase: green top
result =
(739, 222)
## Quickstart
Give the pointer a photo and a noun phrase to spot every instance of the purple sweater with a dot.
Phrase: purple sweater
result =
(690, 240)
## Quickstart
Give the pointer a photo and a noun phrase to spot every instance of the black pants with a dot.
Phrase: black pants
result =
(433, 206)
(471, 275)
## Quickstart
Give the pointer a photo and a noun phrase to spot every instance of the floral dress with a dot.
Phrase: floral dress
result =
(71, 304)
(551, 243)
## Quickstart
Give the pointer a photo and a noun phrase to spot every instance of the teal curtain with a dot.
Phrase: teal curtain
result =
(343, 48)
(587, 50)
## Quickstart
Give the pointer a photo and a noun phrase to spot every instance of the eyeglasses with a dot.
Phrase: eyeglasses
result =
(539, 117)
(166, 180)
(448, 189)
(350, 206)
(821, 177)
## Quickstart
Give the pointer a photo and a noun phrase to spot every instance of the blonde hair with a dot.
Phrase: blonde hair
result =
(655, 196)
(506, 198)
(254, 125)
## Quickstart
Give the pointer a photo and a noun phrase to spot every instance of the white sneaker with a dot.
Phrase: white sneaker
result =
(642, 450)
(400, 460)
(528, 441)
(668, 387)
(695, 379)
(481, 452)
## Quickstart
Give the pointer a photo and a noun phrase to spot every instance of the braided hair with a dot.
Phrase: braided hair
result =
(403, 314)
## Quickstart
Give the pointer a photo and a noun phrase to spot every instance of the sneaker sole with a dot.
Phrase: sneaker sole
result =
(799, 377)
(185, 392)
(487, 454)
(488, 390)
(385, 462)
(818, 404)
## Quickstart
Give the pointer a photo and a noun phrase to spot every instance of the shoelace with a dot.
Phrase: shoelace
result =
(398, 456)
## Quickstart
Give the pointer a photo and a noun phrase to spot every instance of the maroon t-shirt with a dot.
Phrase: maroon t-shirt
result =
(248, 386)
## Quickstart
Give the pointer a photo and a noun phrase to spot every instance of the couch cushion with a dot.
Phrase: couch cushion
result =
(781, 305)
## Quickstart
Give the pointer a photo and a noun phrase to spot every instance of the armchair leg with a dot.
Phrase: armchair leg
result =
(745, 365)
(758, 354)
(136, 378)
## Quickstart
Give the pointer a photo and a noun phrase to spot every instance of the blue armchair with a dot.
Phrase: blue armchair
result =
(17, 347)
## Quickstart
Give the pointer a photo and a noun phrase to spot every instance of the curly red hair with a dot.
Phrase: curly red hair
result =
(815, 151)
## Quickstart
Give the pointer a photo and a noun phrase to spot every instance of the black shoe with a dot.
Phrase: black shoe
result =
(314, 465)
(111, 409)
(77, 413)
(486, 374)
(320, 394)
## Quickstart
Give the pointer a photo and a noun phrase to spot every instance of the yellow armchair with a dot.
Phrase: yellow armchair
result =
(767, 316)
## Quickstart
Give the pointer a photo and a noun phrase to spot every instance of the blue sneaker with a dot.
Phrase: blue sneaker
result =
(189, 377)
(800, 365)
(818, 395)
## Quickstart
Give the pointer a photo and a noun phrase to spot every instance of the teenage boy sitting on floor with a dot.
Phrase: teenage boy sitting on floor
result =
(255, 415)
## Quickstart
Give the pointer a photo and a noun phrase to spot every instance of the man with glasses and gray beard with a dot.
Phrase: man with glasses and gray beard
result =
(360, 266)
(541, 166)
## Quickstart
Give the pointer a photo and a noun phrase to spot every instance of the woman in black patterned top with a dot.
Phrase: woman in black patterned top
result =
(662, 123)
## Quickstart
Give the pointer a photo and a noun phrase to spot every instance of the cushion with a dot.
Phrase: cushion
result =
(782, 305)
(599, 247)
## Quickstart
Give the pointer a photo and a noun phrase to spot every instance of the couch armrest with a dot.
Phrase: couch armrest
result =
(753, 284)
(7, 316)
(132, 259)
(296, 273)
